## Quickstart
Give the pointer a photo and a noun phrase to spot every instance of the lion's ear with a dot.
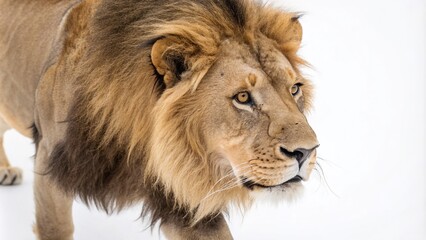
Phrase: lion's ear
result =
(294, 34)
(168, 60)
(284, 28)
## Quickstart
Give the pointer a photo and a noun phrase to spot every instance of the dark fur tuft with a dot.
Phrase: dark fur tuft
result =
(236, 10)
(36, 135)
(96, 174)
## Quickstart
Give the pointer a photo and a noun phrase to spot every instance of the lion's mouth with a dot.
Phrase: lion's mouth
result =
(250, 184)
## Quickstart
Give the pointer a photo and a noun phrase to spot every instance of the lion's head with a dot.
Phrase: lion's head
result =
(203, 99)
(231, 119)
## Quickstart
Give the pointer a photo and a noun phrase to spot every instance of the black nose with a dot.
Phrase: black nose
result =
(300, 154)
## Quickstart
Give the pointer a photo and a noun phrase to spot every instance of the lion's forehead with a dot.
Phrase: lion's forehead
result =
(278, 68)
(266, 64)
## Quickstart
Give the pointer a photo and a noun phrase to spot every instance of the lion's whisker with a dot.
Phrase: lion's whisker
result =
(234, 170)
(320, 170)
(228, 185)
(231, 172)
(329, 162)
(220, 190)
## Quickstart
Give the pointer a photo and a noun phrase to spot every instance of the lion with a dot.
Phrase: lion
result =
(186, 106)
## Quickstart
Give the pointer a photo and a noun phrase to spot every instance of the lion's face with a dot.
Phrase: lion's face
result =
(254, 121)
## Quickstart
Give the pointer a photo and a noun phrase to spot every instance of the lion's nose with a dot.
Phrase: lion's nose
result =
(300, 154)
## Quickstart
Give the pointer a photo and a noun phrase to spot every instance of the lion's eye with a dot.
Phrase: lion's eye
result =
(243, 98)
(296, 89)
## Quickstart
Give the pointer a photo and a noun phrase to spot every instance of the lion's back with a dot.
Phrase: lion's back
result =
(29, 37)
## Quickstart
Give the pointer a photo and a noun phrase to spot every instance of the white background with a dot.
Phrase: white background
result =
(369, 61)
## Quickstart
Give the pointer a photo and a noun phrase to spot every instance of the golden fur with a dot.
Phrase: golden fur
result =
(142, 108)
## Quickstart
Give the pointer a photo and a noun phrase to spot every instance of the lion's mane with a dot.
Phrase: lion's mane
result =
(129, 139)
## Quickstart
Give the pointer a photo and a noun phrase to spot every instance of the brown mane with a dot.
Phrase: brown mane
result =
(109, 153)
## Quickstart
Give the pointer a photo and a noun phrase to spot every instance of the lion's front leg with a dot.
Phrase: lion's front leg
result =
(211, 229)
(8, 175)
(53, 208)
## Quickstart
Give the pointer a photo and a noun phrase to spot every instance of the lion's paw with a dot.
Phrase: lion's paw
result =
(10, 176)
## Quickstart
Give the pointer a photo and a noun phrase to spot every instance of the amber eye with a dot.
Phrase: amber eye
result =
(243, 98)
(296, 89)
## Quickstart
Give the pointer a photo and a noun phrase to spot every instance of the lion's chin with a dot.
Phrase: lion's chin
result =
(288, 192)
